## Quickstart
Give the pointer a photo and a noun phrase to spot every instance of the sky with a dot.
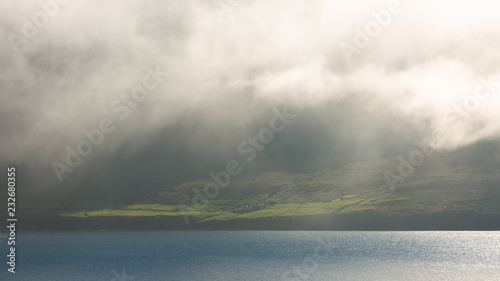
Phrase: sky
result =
(110, 99)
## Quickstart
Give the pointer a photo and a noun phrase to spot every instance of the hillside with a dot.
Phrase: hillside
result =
(463, 183)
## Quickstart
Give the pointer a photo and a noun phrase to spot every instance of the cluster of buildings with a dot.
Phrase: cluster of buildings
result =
(249, 207)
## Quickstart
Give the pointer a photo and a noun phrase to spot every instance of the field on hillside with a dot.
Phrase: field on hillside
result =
(454, 181)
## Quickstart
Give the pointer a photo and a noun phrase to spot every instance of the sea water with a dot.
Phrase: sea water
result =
(254, 255)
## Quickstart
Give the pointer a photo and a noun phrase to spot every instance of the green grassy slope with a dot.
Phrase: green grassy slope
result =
(463, 180)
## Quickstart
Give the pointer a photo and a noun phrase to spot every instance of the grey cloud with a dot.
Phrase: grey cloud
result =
(224, 78)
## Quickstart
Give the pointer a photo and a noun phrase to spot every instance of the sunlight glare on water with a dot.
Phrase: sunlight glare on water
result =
(259, 255)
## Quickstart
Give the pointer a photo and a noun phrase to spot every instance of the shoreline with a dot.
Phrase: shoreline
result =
(362, 221)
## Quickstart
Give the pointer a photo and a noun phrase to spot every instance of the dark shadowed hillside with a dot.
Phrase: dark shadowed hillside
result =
(461, 185)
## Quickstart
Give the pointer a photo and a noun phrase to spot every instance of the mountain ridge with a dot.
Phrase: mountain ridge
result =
(459, 184)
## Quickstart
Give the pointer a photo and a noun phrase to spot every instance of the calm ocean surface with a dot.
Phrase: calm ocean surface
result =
(254, 255)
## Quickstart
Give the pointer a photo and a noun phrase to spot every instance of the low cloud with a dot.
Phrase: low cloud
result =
(419, 75)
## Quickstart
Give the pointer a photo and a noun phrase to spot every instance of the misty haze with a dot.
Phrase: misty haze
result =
(250, 140)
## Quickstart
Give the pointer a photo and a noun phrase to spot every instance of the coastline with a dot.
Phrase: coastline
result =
(361, 221)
